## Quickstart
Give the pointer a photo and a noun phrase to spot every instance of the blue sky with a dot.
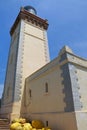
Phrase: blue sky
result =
(67, 26)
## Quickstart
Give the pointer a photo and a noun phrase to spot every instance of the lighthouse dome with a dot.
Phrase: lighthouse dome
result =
(31, 9)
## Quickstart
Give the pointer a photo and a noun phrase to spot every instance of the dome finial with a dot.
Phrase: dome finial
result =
(31, 9)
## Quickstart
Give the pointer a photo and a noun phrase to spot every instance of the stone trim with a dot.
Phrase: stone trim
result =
(76, 60)
(25, 15)
(75, 88)
(19, 66)
(67, 88)
(46, 46)
(70, 82)
(34, 36)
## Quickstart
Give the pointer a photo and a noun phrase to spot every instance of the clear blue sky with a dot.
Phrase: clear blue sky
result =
(67, 26)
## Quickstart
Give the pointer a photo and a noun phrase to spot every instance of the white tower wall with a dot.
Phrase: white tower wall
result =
(28, 52)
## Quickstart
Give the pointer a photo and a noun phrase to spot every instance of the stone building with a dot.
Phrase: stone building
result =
(37, 88)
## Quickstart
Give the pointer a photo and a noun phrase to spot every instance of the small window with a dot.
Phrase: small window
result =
(46, 123)
(46, 87)
(30, 93)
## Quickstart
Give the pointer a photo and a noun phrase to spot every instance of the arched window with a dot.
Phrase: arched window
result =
(46, 87)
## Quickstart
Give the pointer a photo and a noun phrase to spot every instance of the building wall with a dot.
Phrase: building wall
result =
(82, 81)
(35, 48)
(64, 105)
(51, 101)
(32, 54)
(10, 72)
(81, 118)
(35, 52)
(58, 121)
(9, 86)
(50, 106)
(78, 73)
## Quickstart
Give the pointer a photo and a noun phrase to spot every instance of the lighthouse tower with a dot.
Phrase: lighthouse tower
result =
(28, 53)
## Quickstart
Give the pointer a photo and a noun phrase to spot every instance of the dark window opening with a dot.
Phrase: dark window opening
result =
(46, 87)
(46, 123)
(30, 93)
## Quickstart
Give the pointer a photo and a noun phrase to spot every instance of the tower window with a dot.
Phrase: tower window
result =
(46, 87)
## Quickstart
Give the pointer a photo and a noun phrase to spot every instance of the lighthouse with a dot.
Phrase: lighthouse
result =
(28, 52)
